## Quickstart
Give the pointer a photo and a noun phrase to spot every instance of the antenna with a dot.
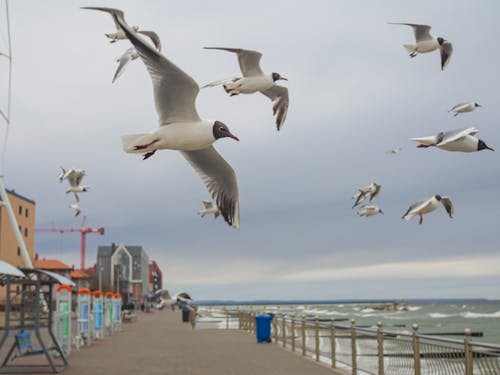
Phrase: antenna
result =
(6, 115)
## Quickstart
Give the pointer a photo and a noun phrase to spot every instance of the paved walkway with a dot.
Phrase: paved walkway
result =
(159, 343)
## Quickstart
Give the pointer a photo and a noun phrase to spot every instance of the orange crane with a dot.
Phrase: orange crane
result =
(83, 234)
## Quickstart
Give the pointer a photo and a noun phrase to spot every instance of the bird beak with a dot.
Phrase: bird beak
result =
(478, 105)
(283, 78)
(489, 148)
(231, 135)
(382, 212)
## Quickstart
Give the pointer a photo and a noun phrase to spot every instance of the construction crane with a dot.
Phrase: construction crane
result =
(83, 236)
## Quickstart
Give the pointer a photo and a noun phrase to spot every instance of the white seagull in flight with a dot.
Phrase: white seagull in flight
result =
(180, 127)
(255, 80)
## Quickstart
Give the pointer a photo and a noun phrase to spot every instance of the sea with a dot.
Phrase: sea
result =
(447, 318)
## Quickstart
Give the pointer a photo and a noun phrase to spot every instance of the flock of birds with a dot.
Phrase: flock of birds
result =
(74, 177)
(181, 128)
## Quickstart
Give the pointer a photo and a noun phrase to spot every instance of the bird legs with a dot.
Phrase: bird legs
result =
(413, 54)
(421, 219)
(142, 147)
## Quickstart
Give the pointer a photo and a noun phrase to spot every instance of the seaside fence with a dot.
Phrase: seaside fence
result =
(361, 351)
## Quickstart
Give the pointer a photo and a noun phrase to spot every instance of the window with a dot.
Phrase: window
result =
(26, 212)
(25, 232)
(18, 251)
(20, 210)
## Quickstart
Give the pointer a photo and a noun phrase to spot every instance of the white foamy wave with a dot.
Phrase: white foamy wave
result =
(440, 315)
(414, 308)
(367, 310)
(471, 315)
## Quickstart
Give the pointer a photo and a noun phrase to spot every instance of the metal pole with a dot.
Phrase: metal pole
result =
(469, 366)
(416, 349)
(293, 334)
(83, 244)
(303, 332)
(353, 348)
(380, 346)
(284, 331)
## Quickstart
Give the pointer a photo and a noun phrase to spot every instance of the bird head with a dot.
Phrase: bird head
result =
(477, 105)
(220, 130)
(483, 146)
(441, 41)
(276, 77)
(438, 197)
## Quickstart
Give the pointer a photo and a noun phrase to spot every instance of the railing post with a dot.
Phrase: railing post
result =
(252, 322)
(380, 346)
(468, 352)
(333, 349)
(284, 331)
(275, 329)
(227, 318)
(353, 348)
(416, 349)
(293, 334)
(303, 333)
(239, 320)
(316, 339)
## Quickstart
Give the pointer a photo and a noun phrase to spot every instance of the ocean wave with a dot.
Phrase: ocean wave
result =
(441, 315)
(414, 308)
(471, 315)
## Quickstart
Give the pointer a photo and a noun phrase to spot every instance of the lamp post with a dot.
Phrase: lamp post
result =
(100, 277)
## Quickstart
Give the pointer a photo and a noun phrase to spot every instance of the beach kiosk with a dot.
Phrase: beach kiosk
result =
(84, 317)
(98, 313)
(117, 312)
(62, 319)
(108, 313)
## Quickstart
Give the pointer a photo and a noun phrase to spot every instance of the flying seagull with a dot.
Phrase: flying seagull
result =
(120, 35)
(425, 206)
(181, 128)
(255, 80)
(76, 207)
(394, 151)
(66, 173)
(209, 208)
(74, 177)
(425, 42)
(371, 191)
(179, 299)
(129, 55)
(463, 107)
(369, 210)
(462, 140)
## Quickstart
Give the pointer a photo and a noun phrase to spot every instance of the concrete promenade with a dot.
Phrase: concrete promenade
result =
(159, 343)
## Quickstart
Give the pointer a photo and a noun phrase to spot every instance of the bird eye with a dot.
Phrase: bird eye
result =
(222, 129)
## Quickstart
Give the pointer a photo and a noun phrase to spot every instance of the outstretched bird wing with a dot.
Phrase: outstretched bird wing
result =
(421, 32)
(219, 179)
(415, 208)
(455, 135)
(123, 61)
(249, 60)
(279, 97)
(446, 50)
(448, 206)
(175, 91)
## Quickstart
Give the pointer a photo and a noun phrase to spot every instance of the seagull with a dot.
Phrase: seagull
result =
(463, 107)
(369, 210)
(394, 151)
(462, 140)
(371, 191)
(74, 177)
(427, 43)
(120, 35)
(129, 55)
(208, 209)
(255, 80)
(75, 207)
(425, 206)
(66, 173)
(179, 299)
(181, 128)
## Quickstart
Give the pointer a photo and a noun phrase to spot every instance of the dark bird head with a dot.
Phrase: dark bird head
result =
(220, 130)
(477, 105)
(441, 41)
(382, 212)
(276, 77)
(483, 146)
(438, 197)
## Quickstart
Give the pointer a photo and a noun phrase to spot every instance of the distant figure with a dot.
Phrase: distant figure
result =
(193, 311)
(142, 307)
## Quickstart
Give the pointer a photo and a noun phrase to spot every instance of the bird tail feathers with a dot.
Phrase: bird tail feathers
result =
(410, 48)
(131, 143)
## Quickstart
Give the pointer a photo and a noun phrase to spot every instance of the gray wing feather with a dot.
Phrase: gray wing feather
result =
(421, 32)
(249, 60)
(454, 135)
(448, 206)
(219, 179)
(279, 97)
(175, 91)
(154, 38)
(123, 62)
(446, 50)
(109, 10)
(417, 206)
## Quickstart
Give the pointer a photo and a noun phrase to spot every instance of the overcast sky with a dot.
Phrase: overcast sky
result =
(354, 94)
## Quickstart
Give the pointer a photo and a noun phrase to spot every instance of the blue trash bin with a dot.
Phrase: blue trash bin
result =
(263, 328)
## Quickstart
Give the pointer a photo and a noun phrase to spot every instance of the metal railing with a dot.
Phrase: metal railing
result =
(377, 351)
